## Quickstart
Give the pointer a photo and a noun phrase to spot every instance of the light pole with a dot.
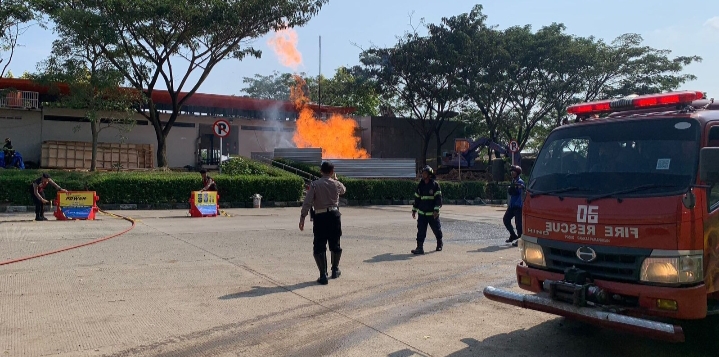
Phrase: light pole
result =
(447, 115)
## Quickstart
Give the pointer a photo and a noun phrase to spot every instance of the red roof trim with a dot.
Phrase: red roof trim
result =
(197, 99)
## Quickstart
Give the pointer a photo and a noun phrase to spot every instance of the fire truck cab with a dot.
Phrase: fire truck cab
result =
(621, 217)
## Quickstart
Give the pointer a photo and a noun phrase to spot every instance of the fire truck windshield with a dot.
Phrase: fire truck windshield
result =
(617, 155)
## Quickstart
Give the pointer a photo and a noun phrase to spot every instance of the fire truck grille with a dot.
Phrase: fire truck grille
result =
(611, 263)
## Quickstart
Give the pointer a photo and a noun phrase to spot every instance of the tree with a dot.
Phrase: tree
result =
(276, 86)
(93, 87)
(415, 79)
(14, 18)
(626, 67)
(348, 88)
(145, 40)
(481, 58)
(616, 70)
(522, 80)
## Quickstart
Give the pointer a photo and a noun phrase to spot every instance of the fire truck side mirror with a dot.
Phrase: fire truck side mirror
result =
(709, 165)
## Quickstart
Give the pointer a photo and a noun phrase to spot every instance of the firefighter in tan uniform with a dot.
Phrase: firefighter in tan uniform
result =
(324, 195)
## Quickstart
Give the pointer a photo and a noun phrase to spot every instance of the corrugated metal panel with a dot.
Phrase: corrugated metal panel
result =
(259, 156)
(376, 168)
(311, 156)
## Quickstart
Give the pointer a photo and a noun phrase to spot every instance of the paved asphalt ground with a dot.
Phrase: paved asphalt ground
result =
(245, 286)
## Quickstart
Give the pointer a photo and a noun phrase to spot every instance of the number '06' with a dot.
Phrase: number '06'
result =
(588, 214)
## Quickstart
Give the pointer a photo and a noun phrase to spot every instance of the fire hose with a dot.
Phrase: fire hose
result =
(78, 245)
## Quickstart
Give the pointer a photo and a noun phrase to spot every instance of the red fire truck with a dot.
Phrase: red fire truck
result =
(621, 217)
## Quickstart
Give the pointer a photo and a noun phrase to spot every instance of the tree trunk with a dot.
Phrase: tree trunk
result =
(95, 134)
(493, 137)
(161, 138)
(425, 147)
(161, 151)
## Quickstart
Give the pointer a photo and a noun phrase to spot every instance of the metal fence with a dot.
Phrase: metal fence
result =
(20, 99)
(312, 156)
(376, 168)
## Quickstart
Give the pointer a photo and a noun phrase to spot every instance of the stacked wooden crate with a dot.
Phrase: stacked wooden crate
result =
(78, 155)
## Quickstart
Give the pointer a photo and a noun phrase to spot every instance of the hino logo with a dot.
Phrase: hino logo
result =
(586, 254)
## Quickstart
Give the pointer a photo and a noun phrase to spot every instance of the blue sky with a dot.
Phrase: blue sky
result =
(693, 30)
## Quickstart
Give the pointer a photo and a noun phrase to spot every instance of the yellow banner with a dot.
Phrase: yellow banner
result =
(208, 198)
(77, 199)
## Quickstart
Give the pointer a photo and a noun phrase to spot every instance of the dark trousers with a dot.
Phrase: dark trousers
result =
(39, 206)
(434, 224)
(327, 229)
(516, 213)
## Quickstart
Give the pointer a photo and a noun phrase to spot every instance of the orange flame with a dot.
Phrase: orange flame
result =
(297, 93)
(335, 136)
(284, 43)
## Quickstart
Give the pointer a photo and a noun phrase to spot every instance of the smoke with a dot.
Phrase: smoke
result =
(277, 137)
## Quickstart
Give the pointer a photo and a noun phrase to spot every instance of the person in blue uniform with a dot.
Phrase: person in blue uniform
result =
(514, 207)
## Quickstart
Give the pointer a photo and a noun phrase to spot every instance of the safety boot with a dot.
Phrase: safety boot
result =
(439, 245)
(335, 264)
(418, 250)
(321, 260)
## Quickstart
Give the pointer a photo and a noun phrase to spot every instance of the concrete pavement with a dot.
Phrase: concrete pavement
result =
(245, 286)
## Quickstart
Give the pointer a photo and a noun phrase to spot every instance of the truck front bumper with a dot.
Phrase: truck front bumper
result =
(652, 329)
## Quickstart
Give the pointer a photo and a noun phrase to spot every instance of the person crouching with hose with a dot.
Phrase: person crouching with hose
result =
(38, 195)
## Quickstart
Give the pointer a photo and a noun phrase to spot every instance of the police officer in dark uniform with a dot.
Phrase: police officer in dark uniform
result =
(324, 195)
(38, 195)
(514, 207)
(427, 203)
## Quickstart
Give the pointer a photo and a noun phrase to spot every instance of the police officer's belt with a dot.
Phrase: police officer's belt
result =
(326, 210)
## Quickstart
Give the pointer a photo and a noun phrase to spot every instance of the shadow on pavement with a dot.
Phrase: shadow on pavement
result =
(492, 249)
(562, 337)
(389, 257)
(265, 290)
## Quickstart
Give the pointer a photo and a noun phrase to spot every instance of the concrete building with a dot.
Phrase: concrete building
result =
(255, 126)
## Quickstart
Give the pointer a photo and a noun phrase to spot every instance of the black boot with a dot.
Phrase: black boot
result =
(419, 249)
(321, 260)
(439, 245)
(335, 264)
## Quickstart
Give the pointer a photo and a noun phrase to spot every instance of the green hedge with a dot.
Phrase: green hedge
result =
(364, 190)
(167, 187)
(242, 166)
(151, 188)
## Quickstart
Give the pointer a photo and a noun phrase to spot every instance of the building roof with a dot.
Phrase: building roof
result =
(162, 97)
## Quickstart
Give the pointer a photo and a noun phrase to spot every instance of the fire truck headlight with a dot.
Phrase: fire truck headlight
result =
(532, 253)
(673, 270)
